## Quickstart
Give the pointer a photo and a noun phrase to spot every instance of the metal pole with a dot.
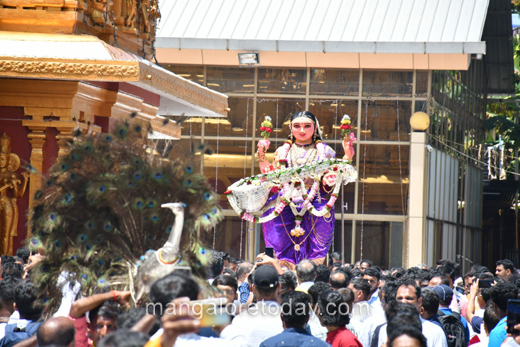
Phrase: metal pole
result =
(342, 223)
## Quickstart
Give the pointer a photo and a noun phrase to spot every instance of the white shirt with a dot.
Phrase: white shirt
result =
(368, 328)
(360, 313)
(317, 329)
(256, 324)
(435, 336)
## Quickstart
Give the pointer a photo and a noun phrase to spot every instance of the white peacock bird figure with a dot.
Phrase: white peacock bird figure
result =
(157, 264)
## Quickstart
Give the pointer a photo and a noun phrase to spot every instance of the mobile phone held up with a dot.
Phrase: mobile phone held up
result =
(211, 312)
(269, 251)
(513, 316)
(485, 283)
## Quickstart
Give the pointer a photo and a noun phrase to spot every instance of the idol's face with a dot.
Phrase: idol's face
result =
(302, 129)
(4, 160)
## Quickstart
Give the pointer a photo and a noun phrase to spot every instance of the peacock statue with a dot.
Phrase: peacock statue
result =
(98, 218)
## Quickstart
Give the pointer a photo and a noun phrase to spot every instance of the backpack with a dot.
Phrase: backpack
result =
(375, 337)
(13, 334)
(454, 329)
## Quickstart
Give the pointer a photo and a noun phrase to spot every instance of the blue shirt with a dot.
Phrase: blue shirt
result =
(294, 337)
(447, 311)
(498, 334)
(243, 289)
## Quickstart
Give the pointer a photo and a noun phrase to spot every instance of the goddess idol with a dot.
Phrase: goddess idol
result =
(298, 219)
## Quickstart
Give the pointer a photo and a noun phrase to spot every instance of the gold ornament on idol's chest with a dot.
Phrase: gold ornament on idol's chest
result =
(296, 247)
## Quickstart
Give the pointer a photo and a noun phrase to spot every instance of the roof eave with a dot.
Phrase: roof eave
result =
(323, 46)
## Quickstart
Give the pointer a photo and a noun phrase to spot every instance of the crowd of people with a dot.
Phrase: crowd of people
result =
(265, 304)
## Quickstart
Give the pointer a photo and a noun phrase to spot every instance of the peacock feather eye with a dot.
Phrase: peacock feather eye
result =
(139, 203)
(188, 182)
(108, 226)
(207, 196)
(68, 197)
(35, 242)
(38, 195)
(202, 251)
(169, 230)
(189, 169)
(64, 167)
(90, 225)
(137, 175)
(207, 216)
(102, 189)
(73, 177)
(58, 244)
(99, 239)
(88, 148)
(154, 217)
(158, 175)
(215, 210)
(151, 204)
(122, 132)
(52, 216)
(137, 128)
(83, 238)
(88, 247)
(101, 262)
(49, 183)
(84, 277)
(108, 138)
(74, 157)
(131, 184)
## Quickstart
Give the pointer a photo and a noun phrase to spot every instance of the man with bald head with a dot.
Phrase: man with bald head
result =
(56, 331)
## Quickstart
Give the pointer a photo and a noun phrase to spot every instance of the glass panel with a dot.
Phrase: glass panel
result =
(383, 179)
(329, 114)
(190, 72)
(230, 162)
(386, 120)
(230, 80)
(282, 81)
(280, 111)
(388, 83)
(334, 82)
(347, 238)
(396, 245)
(421, 84)
(227, 236)
(376, 242)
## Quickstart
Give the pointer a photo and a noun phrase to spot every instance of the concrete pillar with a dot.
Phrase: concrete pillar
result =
(416, 223)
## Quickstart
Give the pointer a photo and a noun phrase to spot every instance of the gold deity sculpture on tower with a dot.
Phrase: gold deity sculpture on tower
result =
(12, 187)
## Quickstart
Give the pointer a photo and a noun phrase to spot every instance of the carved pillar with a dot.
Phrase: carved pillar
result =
(37, 138)
(65, 135)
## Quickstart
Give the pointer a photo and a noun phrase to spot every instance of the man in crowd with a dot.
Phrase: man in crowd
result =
(409, 292)
(430, 306)
(315, 326)
(362, 309)
(228, 286)
(339, 279)
(500, 294)
(365, 264)
(295, 315)
(334, 316)
(102, 313)
(322, 273)
(505, 268)
(30, 313)
(262, 320)
(241, 274)
(306, 273)
(445, 296)
(56, 331)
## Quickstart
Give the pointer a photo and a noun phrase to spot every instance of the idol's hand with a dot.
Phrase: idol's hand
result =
(262, 147)
(330, 179)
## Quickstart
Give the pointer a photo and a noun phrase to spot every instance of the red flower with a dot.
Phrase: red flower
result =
(262, 128)
(344, 126)
(348, 127)
(335, 168)
(268, 130)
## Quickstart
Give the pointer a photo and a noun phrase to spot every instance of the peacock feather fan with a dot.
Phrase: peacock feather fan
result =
(99, 209)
